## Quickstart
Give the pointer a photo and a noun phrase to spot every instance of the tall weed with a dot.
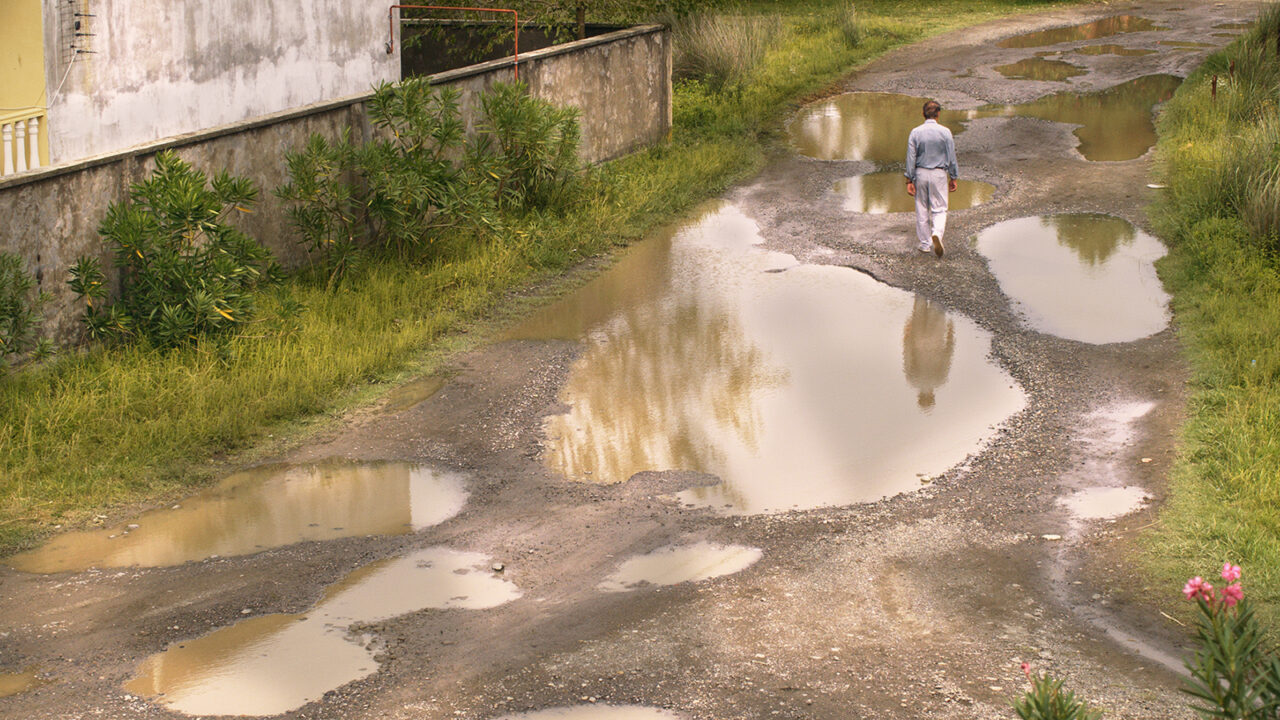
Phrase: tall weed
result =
(723, 51)
(20, 317)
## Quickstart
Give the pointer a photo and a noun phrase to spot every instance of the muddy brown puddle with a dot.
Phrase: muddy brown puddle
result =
(677, 564)
(1038, 68)
(1081, 277)
(262, 508)
(1115, 124)
(1105, 27)
(885, 192)
(798, 386)
(19, 682)
(1109, 49)
(275, 663)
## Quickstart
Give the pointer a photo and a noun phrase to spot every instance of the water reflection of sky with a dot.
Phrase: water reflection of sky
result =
(791, 387)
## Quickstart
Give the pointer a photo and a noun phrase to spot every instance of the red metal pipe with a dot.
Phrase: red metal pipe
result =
(391, 23)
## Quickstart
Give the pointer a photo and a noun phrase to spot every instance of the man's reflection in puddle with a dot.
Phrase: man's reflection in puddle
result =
(928, 342)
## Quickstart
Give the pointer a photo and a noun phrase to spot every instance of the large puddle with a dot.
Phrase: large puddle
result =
(1087, 31)
(276, 663)
(264, 508)
(1082, 277)
(1115, 124)
(809, 387)
(673, 565)
(1039, 68)
(1105, 503)
(878, 193)
(862, 126)
(596, 712)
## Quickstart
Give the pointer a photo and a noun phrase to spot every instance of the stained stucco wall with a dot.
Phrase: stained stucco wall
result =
(150, 69)
(621, 82)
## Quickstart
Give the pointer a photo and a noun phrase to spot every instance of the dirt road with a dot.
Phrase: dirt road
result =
(918, 604)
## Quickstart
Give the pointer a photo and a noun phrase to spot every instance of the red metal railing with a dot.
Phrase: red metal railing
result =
(391, 23)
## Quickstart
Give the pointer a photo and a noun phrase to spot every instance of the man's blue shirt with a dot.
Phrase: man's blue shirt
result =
(931, 146)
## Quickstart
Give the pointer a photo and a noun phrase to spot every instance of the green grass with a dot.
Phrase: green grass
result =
(111, 427)
(1223, 273)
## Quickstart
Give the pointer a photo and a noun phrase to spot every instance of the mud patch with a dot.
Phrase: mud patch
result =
(1081, 277)
(1105, 503)
(264, 508)
(814, 387)
(1086, 31)
(277, 663)
(673, 565)
(879, 193)
(1039, 68)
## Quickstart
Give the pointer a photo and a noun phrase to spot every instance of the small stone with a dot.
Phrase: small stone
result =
(499, 567)
(134, 526)
(1051, 537)
(995, 688)
(1146, 460)
(245, 611)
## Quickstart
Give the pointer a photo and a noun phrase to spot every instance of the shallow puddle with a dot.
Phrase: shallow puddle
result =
(276, 663)
(862, 126)
(1114, 50)
(1186, 44)
(264, 508)
(19, 682)
(1233, 26)
(1115, 124)
(1082, 277)
(414, 392)
(879, 193)
(1039, 68)
(596, 712)
(1105, 503)
(809, 387)
(1088, 31)
(673, 565)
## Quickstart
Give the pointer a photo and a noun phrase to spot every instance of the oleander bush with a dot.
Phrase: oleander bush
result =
(186, 272)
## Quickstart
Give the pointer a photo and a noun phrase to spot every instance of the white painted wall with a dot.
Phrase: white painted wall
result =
(161, 68)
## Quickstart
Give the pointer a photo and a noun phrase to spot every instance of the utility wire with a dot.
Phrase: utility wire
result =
(65, 75)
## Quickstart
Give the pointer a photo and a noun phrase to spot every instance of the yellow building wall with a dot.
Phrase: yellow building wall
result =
(22, 86)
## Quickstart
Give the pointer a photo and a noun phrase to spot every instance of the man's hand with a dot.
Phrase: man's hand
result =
(911, 188)
(951, 185)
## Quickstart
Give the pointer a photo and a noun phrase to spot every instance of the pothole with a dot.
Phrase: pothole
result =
(862, 126)
(814, 387)
(264, 508)
(1081, 277)
(675, 564)
(878, 193)
(1114, 50)
(414, 392)
(1104, 27)
(1039, 68)
(276, 663)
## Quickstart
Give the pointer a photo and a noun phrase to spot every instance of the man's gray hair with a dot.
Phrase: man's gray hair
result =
(932, 109)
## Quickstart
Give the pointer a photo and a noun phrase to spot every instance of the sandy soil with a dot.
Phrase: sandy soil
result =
(919, 606)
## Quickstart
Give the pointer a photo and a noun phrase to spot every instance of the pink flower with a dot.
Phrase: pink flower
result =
(1192, 588)
(1230, 573)
(1232, 594)
(1026, 669)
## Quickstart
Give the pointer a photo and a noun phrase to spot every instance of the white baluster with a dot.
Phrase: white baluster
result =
(6, 147)
(33, 135)
(20, 150)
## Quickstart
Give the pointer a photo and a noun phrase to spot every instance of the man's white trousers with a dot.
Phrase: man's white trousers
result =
(931, 204)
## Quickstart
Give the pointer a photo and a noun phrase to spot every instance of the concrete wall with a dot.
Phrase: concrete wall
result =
(204, 62)
(621, 81)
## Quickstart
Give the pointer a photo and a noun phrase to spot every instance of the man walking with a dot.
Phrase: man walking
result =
(931, 174)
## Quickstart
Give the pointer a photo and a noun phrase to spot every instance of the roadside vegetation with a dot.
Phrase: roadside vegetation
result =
(138, 419)
(1219, 154)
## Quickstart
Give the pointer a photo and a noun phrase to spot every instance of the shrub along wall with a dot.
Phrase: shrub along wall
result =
(620, 82)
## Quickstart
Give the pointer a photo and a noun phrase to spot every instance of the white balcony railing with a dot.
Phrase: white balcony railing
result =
(20, 142)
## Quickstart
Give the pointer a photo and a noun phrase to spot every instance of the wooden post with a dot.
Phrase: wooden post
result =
(582, 21)
(1213, 91)
(1232, 70)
